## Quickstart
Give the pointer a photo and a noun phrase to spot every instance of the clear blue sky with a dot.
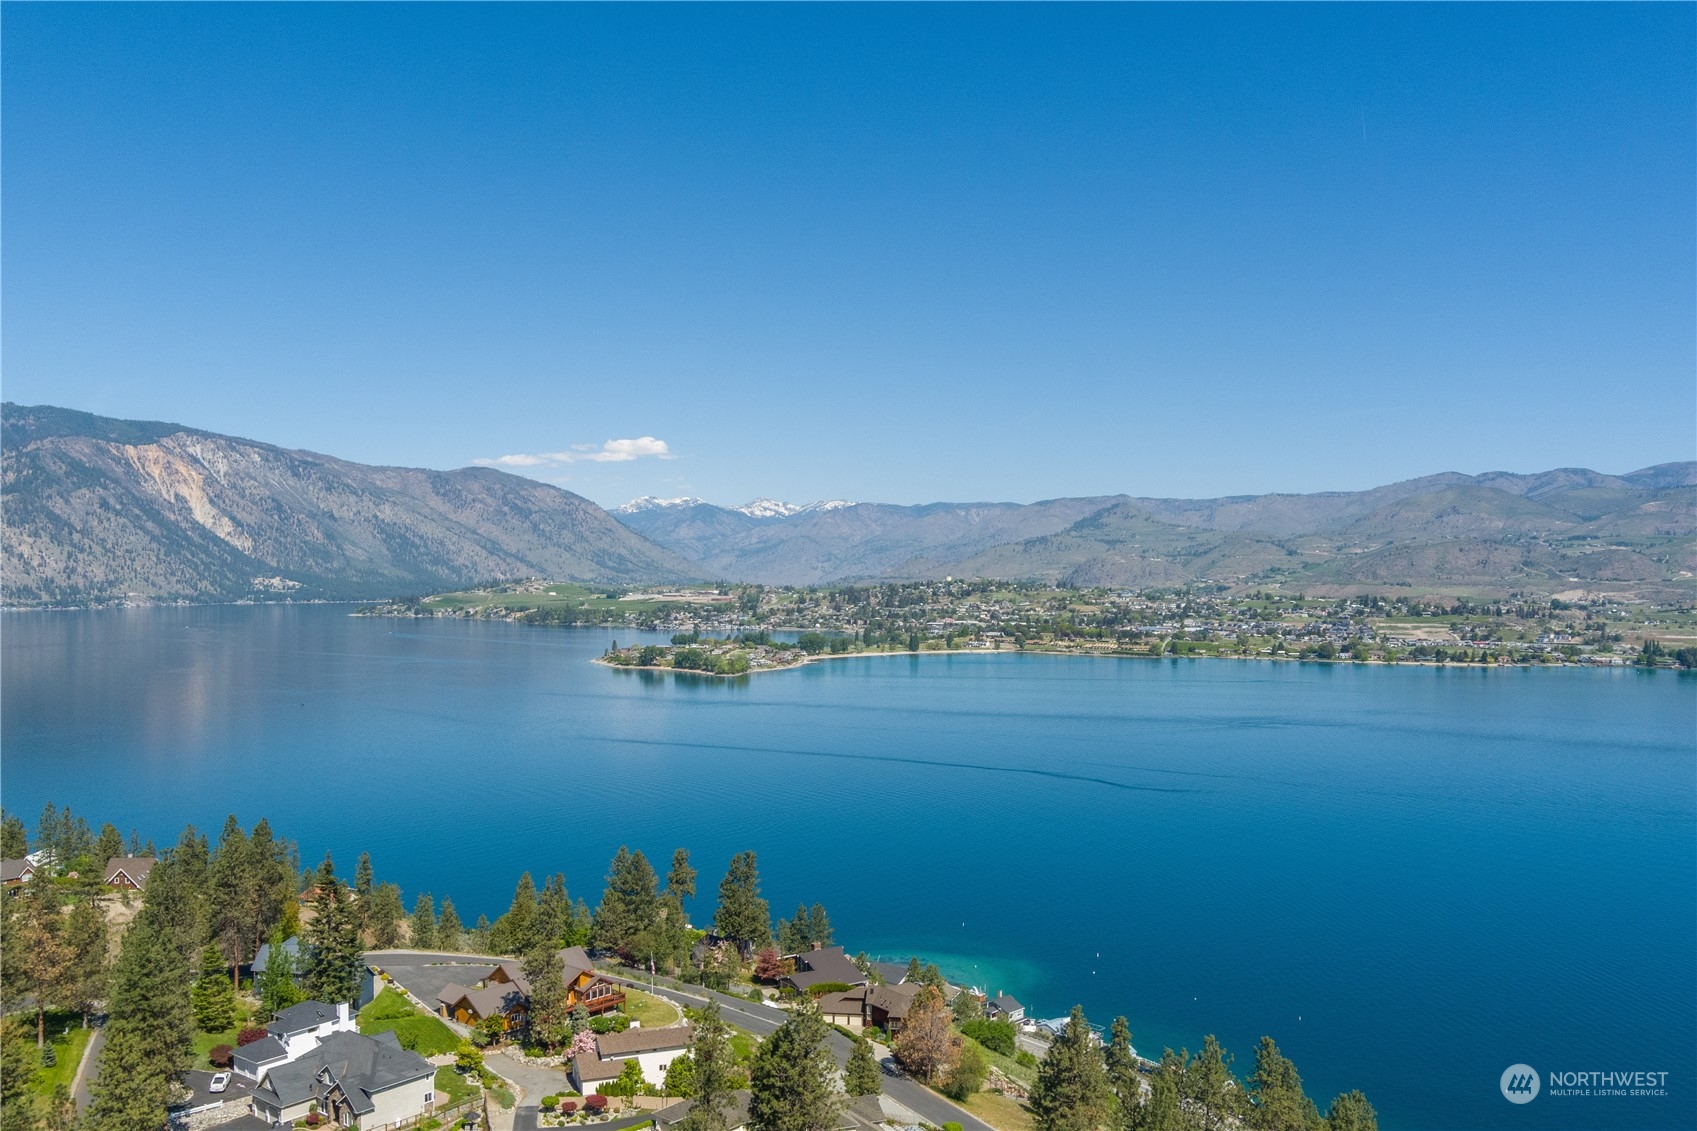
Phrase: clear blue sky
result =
(881, 253)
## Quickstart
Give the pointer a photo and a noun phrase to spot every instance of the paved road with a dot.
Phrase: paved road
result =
(88, 1069)
(761, 1020)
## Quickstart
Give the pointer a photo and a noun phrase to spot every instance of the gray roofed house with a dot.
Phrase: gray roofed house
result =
(1005, 1007)
(252, 1060)
(355, 1080)
(815, 967)
(15, 872)
(290, 946)
(892, 972)
(304, 1017)
(128, 871)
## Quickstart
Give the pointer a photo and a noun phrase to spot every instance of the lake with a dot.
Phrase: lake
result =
(1412, 878)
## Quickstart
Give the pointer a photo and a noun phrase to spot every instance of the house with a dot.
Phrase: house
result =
(290, 946)
(14, 873)
(128, 872)
(1002, 1007)
(652, 1049)
(820, 967)
(292, 1034)
(504, 992)
(894, 973)
(355, 1081)
(736, 1113)
(887, 1006)
(846, 1008)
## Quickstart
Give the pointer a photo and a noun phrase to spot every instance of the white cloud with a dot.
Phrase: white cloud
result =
(613, 451)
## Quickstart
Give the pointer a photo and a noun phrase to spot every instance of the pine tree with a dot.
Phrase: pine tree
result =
(213, 998)
(914, 972)
(1279, 1103)
(422, 926)
(332, 972)
(1351, 1112)
(383, 916)
(88, 942)
(110, 844)
(14, 838)
(517, 931)
(630, 905)
(791, 1084)
(554, 912)
(43, 959)
(1121, 1064)
(1159, 1111)
(17, 1070)
(448, 928)
(742, 915)
(1208, 1084)
(862, 1076)
(710, 1052)
(363, 878)
(1072, 1091)
(150, 1034)
(680, 881)
(792, 933)
(550, 1019)
(230, 883)
(819, 932)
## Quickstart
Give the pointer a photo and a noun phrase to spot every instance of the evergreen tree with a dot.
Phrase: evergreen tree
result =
(478, 937)
(554, 912)
(1207, 1082)
(1121, 1064)
(17, 1070)
(448, 928)
(862, 1077)
(383, 916)
(276, 985)
(742, 915)
(517, 932)
(1351, 1112)
(1072, 1091)
(550, 1018)
(680, 881)
(1158, 1111)
(1278, 1101)
(630, 905)
(711, 1056)
(363, 878)
(969, 1073)
(110, 844)
(230, 882)
(332, 972)
(61, 1109)
(14, 838)
(47, 831)
(680, 1077)
(213, 998)
(150, 1033)
(792, 1082)
(43, 959)
(792, 933)
(819, 932)
(88, 944)
(966, 1008)
(422, 927)
(914, 971)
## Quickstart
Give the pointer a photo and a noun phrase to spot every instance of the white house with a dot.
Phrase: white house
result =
(653, 1049)
(292, 1034)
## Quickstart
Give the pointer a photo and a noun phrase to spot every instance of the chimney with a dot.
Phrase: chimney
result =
(342, 1012)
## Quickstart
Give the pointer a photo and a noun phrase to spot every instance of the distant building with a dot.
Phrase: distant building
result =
(128, 872)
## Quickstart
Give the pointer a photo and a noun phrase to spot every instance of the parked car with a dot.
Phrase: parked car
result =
(220, 1081)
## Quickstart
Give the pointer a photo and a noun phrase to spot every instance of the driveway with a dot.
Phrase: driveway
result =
(426, 974)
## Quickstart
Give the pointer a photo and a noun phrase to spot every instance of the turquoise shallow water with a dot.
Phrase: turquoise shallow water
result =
(1411, 878)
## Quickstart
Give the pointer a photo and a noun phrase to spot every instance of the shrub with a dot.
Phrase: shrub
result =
(313, 1119)
(549, 1103)
(951, 1126)
(820, 989)
(221, 1056)
(1028, 1059)
(432, 1124)
(596, 1103)
(251, 1034)
(567, 1107)
(49, 1057)
(997, 1036)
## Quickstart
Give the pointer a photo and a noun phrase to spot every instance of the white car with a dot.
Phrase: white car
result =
(220, 1081)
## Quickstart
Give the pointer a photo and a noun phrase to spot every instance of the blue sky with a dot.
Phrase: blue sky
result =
(885, 253)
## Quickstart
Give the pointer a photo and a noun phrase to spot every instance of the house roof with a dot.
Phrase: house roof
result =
(576, 961)
(262, 960)
(831, 965)
(261, 1052)
(590, 1069)
(736, 1112)
(12, 870)
(299, 1018)
(894, 1000)
(135, 867)
(1006, 1003)
(514, 977)
(633, 1041)
(891, 972)
(362, 1066)
(843, 1001)
(501, 997)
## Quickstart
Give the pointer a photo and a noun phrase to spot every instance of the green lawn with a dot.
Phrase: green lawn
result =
(454, 1086)
(204, 1043)
(1001, 1112)
(415, 1029)
(653, 1012)
(68, 1047)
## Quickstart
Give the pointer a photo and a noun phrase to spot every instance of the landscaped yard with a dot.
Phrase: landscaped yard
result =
(67, 1047)
(204, 1043)
(651, 1011)
(415, 1029)
(456, 1088)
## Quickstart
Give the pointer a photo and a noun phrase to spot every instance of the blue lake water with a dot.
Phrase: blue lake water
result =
(1411, 878)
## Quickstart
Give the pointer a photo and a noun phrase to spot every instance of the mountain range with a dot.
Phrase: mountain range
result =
(98, 509)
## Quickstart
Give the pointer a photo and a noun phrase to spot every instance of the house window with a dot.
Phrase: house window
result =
(428, 1097)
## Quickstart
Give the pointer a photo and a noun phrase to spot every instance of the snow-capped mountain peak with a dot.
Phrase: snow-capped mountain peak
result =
(767, 508)
(654, 503)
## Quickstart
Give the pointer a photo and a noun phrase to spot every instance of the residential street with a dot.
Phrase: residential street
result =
(416, 967)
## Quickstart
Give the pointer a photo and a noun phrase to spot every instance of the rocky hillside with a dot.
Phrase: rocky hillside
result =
(1550, 532)
(97, 509)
